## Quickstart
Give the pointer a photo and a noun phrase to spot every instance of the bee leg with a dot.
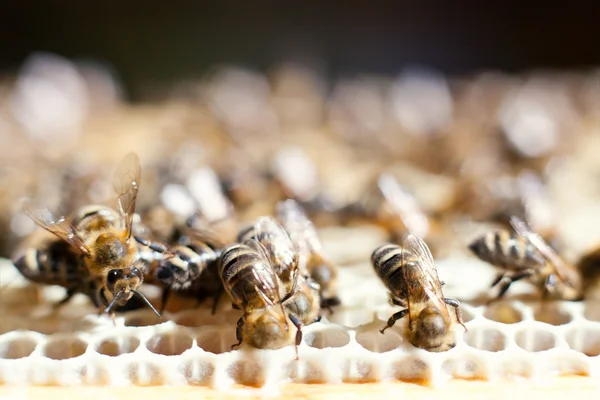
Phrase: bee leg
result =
(158, 247)
(216, 299)
(456, 305)
(510, 281)
(330, 302)
(497, 280)
(164, 297)
(235, 306)
(298, 326)
(69, 296)
(238, 333)
(394, 318)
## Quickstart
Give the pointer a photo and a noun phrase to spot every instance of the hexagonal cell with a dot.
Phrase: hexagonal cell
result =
(17, 348)
(592, 310)
(351, 318)
(553, 314)
(198, 372)
(116, 346)
(143, 319)
(503, 312)
(249, 373)
(488, 339)
(145, 374)
(411, 369)
(216, 341)
(466, 367)
(467, 313)
(376, 342)
(306, 371)
(64, 348)
(584, 340)
(357, 371)
(535, 339)
(330, 337)
(169, 344)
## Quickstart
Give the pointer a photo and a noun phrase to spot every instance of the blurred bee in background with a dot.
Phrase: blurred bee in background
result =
(250, 280)
(313, 264)
(409, 273)
(110, 266)
(391, 206)
(525, 255)
(589, 268)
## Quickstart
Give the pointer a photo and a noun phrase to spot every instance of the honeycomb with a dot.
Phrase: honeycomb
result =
(517, 337)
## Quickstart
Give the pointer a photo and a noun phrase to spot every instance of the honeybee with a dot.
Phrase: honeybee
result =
(312, 260)
(409, 274)
(393, 207)
(589, 268)
(525, 255)
(111, 265)
(279, 247)
(190, 265)
(250, 280)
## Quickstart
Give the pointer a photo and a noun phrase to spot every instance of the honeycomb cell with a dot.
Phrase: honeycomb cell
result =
(552, 314)
(535, 339)
(376, 342)
(465, 367)
(17, 348)
(411, 369)
(488, 339)
(249, 373)
(467, 313)
(584, 340)
(169, 344)
(503, 312)
(143, 319)
(116, 346)
(216, 341)
(592, 310)
(64, 348)
(198, 372)
(330, 337)
(359, 372)
(351, 318)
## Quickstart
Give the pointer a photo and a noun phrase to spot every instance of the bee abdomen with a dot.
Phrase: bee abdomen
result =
(387, 263)
(506, 250)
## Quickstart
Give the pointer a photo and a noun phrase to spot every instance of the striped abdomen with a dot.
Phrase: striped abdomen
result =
(507, 251)
(388, 264)
(244, 272)
(279, 248)
(52, 263)
(191, 261)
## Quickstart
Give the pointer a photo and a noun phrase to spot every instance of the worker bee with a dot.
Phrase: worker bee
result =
(190, 264)
(589, 268)
(250, 280)
(279, 247)
(525, 255)
(409, 274)
(390, 205)
(110, 264)
(312, 260)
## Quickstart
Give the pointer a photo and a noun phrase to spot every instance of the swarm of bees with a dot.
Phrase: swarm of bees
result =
(237, 220)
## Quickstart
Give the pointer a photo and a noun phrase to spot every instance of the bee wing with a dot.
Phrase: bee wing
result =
(540, 244)
(268, 281)
(403, 204)
(301, 230)
(55, 223)
(126, 182)
(422, 275)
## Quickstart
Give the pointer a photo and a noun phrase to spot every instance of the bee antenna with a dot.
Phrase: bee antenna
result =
(147, 302)
(112, 303)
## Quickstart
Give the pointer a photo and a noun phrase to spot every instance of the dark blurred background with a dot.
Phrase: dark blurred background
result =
(155, 41)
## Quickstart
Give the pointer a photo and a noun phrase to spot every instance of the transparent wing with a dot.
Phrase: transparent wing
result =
(403, 204)
(267, 281)
(126, 182)
(53, 222)
(540, 244)
(421, 276)
(301, 230)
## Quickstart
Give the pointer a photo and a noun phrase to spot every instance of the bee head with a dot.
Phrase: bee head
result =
(122, 282)
(267, 330)
(431, 329)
